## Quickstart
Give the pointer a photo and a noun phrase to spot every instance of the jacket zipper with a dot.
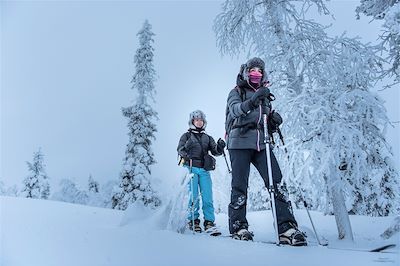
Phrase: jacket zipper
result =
(258, 131)
(259, 119)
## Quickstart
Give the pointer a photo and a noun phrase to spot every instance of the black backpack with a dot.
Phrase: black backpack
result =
(229, 120)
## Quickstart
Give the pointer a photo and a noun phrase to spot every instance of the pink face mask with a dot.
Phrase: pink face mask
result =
(255, 77)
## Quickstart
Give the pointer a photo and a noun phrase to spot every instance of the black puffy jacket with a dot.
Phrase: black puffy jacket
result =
(194, 145)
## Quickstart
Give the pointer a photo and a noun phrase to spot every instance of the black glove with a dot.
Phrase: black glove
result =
(260, 95)
(221, 144)
(184, 154)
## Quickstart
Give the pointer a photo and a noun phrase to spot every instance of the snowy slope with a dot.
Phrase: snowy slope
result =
(36, 232)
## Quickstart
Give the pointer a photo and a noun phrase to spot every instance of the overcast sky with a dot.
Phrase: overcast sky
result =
(66, 69)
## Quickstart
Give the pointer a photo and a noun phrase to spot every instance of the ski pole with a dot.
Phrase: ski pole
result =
(271, 189)
(226, 161)
(280, 135)
(309, 216)
(191, 184)
(304, 201)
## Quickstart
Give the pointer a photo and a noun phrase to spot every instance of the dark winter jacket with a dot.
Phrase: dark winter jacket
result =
(248, 128)
(194, 145)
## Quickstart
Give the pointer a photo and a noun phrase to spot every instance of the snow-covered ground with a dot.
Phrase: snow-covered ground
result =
(41, 233)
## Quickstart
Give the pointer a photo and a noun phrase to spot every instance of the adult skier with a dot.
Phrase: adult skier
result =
(246, 104)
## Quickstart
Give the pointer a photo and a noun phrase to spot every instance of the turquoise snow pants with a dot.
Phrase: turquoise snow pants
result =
(201, 179)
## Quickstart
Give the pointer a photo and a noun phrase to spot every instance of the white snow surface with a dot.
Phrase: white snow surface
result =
(43, 232)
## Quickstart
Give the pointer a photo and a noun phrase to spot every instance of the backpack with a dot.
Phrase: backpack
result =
(229, 119)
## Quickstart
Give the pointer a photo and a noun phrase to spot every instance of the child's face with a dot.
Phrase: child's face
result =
(198, 122)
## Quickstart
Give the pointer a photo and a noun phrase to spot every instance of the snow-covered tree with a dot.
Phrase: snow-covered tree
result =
(322, 86)
(135, 177)
(257, 195)
(12, 191)
(95, 197)
(375, 8)
(93, 186)
(393, 229)
(36, 184)
(107, 191)
(2, 189)
(342, 133)
(389, 12)
(221, 189)
(69, 192)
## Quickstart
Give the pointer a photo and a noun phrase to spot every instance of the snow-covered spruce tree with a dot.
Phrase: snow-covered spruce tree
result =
(389, 12)
(95, 198)
(36, 184)
(69, 192)
(93, 186)
(135, 177)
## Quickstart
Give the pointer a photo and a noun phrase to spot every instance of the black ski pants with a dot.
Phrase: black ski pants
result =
(240, 161)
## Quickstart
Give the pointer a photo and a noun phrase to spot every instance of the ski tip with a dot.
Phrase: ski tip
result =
(383, 248)
(323, 243)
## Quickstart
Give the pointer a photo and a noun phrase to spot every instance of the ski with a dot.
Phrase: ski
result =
(383, 248)
(213, 232)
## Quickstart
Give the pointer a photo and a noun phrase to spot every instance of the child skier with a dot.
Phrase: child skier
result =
(193, 148)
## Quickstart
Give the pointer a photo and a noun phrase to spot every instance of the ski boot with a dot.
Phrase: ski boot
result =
(211, 229)
(243, 234)
(292, 236)
(196, 226)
